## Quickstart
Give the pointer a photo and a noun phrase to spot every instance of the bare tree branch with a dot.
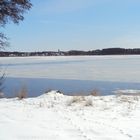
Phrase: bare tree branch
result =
(3, 41)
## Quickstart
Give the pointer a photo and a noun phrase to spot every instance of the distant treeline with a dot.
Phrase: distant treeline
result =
(107, 51)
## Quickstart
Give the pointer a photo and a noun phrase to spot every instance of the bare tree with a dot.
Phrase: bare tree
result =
(11, 10)
(1, 81)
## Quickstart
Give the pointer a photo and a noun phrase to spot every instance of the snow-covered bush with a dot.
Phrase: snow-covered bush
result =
(88, 102)
(76, 99)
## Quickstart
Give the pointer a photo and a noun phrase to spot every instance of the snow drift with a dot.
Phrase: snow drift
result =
(54, 116)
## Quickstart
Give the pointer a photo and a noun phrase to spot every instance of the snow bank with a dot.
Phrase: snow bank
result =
(54, 116)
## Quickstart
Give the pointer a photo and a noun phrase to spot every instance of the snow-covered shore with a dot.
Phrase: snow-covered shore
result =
(54, 116)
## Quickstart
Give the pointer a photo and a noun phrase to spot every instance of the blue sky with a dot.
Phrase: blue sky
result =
(77, 25)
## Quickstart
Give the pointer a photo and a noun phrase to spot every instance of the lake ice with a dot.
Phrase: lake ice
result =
(71, 74)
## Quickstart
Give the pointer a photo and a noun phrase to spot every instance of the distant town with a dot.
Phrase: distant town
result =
(106, 51)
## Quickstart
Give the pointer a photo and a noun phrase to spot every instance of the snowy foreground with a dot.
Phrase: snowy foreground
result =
(54, 116)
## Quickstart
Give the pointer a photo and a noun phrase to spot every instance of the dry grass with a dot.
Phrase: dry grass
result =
(80, 100)
(129, 102)
(76, 99)
(1, 95)
(95, 92)
(22, 93)
(48, 90)
(127, 98)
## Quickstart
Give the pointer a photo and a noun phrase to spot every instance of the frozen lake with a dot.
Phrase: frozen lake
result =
(71, 74)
